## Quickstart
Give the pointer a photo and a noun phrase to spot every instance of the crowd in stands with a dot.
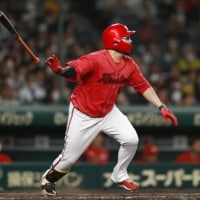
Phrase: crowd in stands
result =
(166, 46)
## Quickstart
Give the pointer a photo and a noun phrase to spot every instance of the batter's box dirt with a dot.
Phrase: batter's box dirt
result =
(74, 194)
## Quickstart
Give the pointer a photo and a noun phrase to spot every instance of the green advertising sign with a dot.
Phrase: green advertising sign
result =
(56, 116)
(26, 176)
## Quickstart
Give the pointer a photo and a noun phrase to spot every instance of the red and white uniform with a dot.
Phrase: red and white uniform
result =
(92, 109)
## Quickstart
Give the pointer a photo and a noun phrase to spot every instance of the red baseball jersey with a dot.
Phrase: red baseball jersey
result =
(97, 155)
(187, 157)
(99, 80)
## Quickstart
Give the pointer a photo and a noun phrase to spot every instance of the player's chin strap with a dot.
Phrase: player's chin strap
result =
(54, 176)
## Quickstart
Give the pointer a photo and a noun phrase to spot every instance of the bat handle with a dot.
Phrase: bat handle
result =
(34, 57)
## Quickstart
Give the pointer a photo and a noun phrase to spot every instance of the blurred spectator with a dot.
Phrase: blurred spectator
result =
(188, 100)
(189, 61)
(54, 95)
(123, 98)
(4, 158)
(192, 11)
(167, 35)
(105, 9)
(96, 152)
(150, 154)
(7, 95)
(171, 53)
(155, 75)
(119, 15)
(20, 76)
(174, 84)
(33, 91)
(192, 155)
(143, 8)
(148, 31)
(164, 95)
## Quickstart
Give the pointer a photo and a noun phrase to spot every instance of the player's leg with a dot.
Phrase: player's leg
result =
(117, 125)
(80, 132)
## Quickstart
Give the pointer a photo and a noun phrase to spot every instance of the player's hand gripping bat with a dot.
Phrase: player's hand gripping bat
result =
(10, 27)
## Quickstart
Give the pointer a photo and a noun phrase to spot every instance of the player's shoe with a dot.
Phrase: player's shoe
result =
(48, 189)
(129, 185)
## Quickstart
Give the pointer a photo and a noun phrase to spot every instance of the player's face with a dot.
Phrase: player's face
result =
(127, 39)
(196, 147)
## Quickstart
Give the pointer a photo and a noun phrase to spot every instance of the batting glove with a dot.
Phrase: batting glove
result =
(54, 64)
(167, 114)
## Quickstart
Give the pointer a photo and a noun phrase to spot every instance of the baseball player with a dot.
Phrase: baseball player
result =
(100, 76)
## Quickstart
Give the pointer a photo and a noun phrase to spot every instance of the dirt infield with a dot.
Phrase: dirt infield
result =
(73, 194)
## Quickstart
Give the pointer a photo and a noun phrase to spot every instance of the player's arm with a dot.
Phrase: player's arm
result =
(152, 97)
(138, 82)
(54, 64)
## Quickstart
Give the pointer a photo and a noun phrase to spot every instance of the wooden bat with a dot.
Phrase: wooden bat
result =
(10, 27)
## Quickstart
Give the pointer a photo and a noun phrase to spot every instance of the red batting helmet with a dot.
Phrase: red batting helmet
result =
(112, 38)
(151, 149)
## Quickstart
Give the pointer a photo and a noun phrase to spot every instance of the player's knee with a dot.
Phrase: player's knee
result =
(132, 140)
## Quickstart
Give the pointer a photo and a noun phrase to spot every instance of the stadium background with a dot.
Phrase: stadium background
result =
(166, 47)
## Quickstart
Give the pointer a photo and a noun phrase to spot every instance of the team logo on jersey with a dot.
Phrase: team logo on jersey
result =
(108, 79)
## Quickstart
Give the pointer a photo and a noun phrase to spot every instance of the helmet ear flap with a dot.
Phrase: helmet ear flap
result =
(116, 41)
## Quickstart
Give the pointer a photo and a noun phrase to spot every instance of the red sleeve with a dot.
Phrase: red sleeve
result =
(137, 80)
(82, 66)
(183, 158)
(4, 158)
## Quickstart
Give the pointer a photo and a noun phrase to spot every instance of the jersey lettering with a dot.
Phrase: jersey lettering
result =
(108, 79)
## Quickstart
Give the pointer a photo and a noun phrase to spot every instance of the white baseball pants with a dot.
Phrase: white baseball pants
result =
(81, 130)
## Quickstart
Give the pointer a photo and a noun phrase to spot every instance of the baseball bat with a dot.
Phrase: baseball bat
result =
(10, 27)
